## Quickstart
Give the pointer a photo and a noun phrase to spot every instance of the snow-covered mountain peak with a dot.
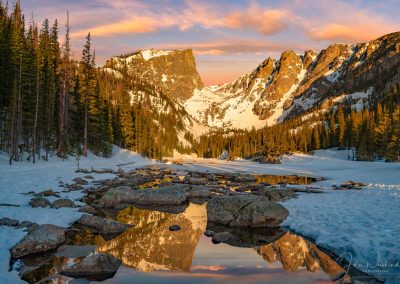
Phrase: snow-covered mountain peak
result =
(276, 90)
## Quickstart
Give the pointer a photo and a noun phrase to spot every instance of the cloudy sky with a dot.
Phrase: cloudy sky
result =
(229, 38)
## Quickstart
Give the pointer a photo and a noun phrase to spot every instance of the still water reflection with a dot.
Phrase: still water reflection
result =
(151, 253)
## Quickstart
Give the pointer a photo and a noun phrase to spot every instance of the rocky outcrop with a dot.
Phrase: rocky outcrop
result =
(245, 211)
(40, 239)
(97, 267)
(173, 72)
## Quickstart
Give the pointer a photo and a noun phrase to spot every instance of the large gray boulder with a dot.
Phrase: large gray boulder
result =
(103, 226)
(245, 211)
(169, 195)
(96, 267)
(200, 192)
(63, 203)
(40, 239)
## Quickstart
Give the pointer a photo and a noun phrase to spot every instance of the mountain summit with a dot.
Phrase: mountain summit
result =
(173, 72)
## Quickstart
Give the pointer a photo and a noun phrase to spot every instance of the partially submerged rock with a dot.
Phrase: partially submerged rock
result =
(348, 185)
(40, 239)
(221, 237)
(245, 211)
(47, 193)
(209, 233)
(103, 226)
(96, 267)
(248, 237)
(80, 181)
(9, 222)
(39, 202)
(169, 195)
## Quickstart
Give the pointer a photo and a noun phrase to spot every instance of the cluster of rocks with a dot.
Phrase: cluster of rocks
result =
(43, 202)
(234, 201)
(15, 223)
(349, 185)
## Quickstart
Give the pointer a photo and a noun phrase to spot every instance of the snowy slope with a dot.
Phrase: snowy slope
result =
(223, 110)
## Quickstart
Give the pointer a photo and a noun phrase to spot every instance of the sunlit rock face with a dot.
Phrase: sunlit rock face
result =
(174, 72)
(295, 253)
(150, 245)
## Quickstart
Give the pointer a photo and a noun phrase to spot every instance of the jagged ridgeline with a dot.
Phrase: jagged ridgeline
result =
(346, 96)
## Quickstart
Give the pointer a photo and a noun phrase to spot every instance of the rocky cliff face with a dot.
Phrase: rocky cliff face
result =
(173, 72)
(281, 89)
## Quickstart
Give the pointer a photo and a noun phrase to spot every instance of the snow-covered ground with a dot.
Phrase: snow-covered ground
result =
(362, 226)
(24, 177)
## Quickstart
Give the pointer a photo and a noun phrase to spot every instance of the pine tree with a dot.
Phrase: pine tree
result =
(341, 127)
(64, 100)
(86, 87)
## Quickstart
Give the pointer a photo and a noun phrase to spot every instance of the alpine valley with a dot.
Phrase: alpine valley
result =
(276, 91)
(135, 171)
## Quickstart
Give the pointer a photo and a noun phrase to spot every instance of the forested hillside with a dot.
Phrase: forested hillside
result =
(50, 103)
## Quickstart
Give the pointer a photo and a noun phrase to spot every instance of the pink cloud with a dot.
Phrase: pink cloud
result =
(265, 21)
(137, 25)
(346, 23)
(194, 13)
(348, 32)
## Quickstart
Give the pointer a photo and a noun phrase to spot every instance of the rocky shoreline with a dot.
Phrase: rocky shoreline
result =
(241, 210)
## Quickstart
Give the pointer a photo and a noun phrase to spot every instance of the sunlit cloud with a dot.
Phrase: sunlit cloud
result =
(347, 33)
(192, 14)
(134, 26)
(347, 23)
(265, 21)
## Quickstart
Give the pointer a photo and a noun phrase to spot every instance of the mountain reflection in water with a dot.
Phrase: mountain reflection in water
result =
(150, 245)
(151, 253)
